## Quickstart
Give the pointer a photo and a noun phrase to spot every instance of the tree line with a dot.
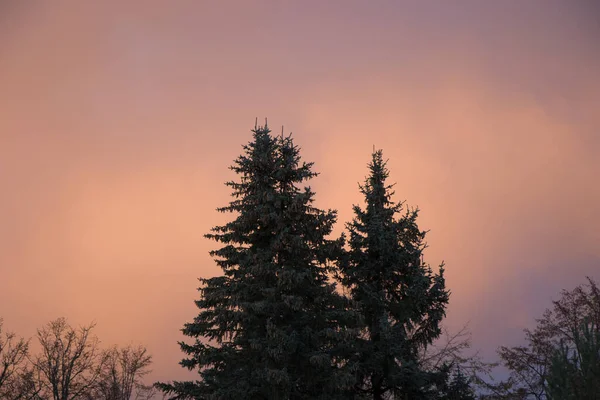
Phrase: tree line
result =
(71, 365)
(298, 314)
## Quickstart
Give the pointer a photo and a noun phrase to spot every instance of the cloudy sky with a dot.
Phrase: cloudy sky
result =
(119, 119)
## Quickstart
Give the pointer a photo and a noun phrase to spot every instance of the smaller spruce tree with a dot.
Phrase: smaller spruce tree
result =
(458, 387)
(399, 297)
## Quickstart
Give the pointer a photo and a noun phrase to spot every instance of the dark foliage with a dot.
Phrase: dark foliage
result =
(546, 358)
(401, 299)
(272, 326)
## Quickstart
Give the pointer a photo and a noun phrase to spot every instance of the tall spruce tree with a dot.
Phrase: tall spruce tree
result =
(401, 300)
(272, 326)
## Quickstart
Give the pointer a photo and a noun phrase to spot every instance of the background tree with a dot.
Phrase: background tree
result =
(25, 386)
(454, 351)
(71, 366)
(70, 362)
(122, 373)
(530, 364)
(272, 326)
(13, 359)
(574, 373)
(400, 298)
(458, 386)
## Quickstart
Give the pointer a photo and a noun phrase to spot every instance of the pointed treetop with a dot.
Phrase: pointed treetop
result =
(258, 128)
(378, 168)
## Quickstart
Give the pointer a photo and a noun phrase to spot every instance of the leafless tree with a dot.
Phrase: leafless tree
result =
(25, 386)
(455, 349)
(121, 377)
(70, 362)
(13, 359)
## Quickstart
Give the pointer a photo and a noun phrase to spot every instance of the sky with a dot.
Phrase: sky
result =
(119, 120)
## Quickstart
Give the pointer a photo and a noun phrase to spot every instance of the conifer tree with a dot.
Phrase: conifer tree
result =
(400, 298)
(272, 326)
(458, 387)
(574, 371)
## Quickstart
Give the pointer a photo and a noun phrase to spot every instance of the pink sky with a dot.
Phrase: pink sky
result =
(118, 123)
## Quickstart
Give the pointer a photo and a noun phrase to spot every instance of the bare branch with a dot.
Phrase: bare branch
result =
(70, 363)
(13, 357)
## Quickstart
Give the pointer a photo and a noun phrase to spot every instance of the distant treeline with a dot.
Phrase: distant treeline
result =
(71, 365)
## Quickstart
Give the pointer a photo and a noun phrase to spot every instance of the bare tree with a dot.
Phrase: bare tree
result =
(25, 386)
(13, 359)
(121, 377)
(454, 349)
(70, 362)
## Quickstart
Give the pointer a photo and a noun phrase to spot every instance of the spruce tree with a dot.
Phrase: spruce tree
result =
(272, 326)
(400, 298)
(457, 387)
